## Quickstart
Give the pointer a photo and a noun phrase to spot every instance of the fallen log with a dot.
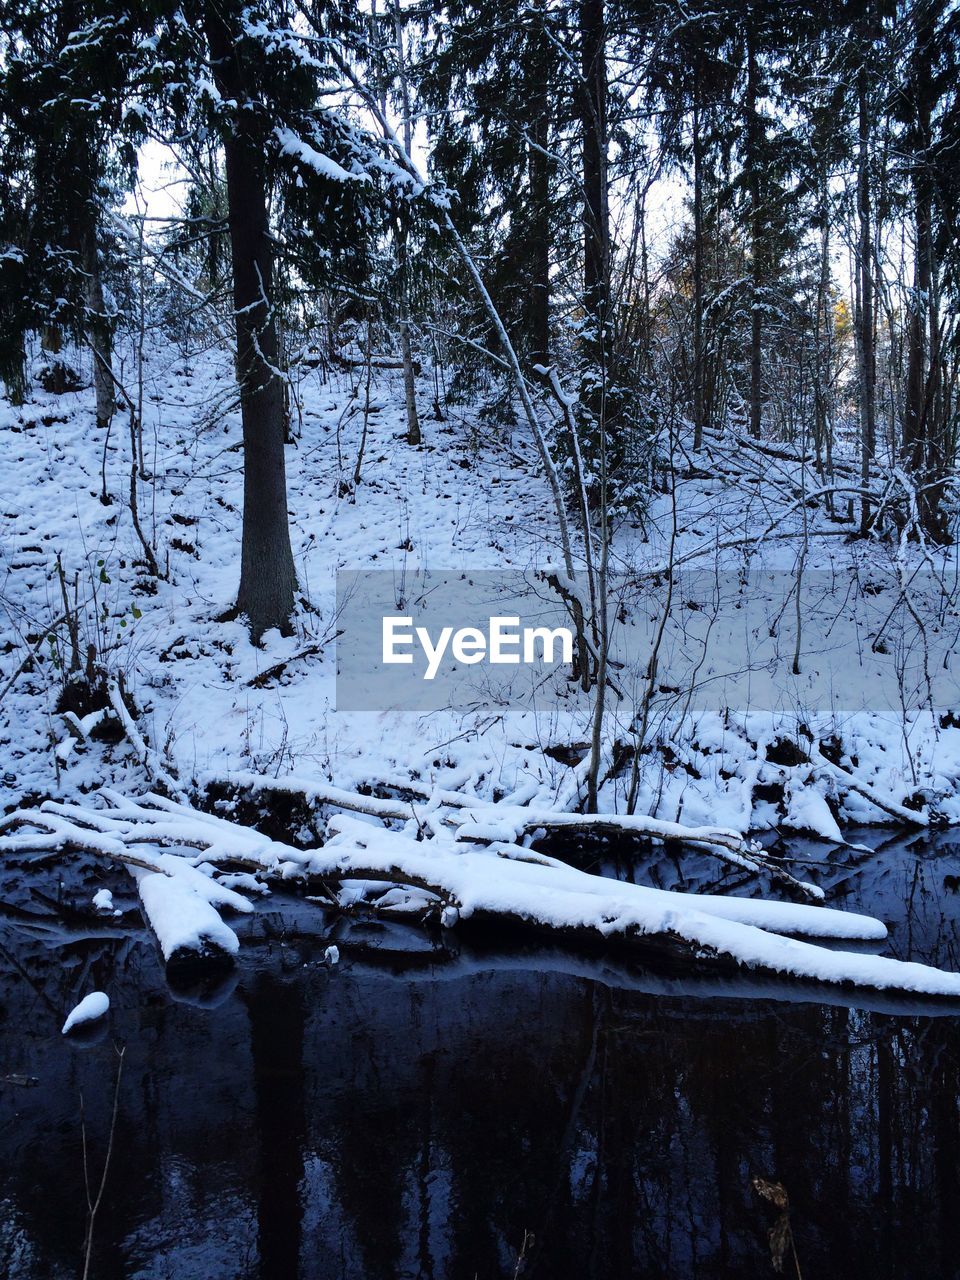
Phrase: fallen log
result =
(910, 817)
(502, 881)
(503, 823)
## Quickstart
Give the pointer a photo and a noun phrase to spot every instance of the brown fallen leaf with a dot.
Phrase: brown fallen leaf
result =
(780, 1234)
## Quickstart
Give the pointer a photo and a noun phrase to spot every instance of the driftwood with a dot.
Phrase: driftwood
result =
(474, 820)
(450, 860)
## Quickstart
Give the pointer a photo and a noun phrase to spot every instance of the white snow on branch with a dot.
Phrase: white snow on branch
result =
(182, 920)
(293, 145)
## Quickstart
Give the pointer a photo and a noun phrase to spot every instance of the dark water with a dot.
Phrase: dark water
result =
(416, 1110)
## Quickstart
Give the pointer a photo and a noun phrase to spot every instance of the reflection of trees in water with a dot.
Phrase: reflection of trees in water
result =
(437, 1143)
(354, 1124)
(371, 1145)
(637, 1153)
(856, 1114)
(276, 1014)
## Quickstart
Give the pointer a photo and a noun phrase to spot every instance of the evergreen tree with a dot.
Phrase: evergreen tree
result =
(63, 74)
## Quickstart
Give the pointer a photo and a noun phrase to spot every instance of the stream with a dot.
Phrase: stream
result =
(430, 1103)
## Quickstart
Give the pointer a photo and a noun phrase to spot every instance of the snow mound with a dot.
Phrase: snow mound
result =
(90, 1009)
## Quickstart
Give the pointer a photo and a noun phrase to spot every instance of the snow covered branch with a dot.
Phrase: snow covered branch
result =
(177, 855)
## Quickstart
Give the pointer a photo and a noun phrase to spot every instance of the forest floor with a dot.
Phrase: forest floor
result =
(446, 800)
(471, 498)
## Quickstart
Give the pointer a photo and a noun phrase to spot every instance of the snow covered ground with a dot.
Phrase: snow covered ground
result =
(471, 499)
(465, 786)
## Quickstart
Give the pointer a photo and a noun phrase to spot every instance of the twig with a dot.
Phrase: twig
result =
(94, 1205)
(146, 755)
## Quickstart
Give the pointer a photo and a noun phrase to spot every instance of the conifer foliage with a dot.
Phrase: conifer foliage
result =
(729, 217)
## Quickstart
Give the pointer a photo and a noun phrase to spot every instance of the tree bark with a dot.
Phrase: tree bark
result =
(51, 342)
(924, 439)
(698, 236)
(98, 331)
(596, 218)
(15, 376)
(753, 135)
(865, 320)
(823, 348)
(602, 442)
(409, 383)
(538, 302)
(267, 576)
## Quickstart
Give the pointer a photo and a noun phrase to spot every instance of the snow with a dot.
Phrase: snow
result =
(472, 499)
(747, 931)
(90, 1009)
(292, 145)
(192, 675)
(182, 920)
(103, 900)
(332, 955)
(807, 810)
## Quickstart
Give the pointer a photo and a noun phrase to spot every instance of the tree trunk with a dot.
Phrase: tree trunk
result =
(823, 347)
(596, 236)
(698, 397)
(51, 341)
(596, 219)
(98, 331)
(924, 439)
(267, 576)
(409, 384)
(538, 167)
(753, 136)
(15, 376)
(865, 320)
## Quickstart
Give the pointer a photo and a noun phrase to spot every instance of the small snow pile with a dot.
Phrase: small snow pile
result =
(807, 810)
(103, 900)
(332, 956)
(90, 1009)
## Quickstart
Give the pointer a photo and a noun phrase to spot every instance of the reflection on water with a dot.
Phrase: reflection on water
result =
(415, 1112)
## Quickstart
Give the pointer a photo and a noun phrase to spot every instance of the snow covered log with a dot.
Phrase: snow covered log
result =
(475, 820)
(185, 923)
(180, 852)
(179, 898)
(909, 817)
(745, 932)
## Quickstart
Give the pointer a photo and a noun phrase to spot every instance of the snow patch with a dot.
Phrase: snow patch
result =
(90, 1009)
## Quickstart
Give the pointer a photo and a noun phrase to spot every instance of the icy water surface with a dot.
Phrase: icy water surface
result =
(418, 1109)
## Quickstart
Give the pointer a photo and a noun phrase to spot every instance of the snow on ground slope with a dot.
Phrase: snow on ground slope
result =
(461, 501)
(472, 498)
